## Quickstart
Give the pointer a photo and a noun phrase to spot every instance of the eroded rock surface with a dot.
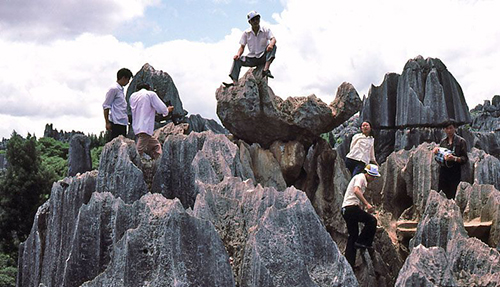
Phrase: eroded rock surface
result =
(79, 160)
(252, 112)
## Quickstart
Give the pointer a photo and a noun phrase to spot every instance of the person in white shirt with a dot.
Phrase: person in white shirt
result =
(115, 105)
(362, 151)
(261, 45)
(144, 104)
(353, 213)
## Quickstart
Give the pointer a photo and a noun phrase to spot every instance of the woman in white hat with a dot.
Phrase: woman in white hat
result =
(353, 213)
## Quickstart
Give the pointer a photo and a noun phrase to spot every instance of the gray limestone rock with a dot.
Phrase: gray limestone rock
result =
(380, 105)
(266, 168)
(170, 129)
(43, 256)
(163, 85)
(274, 238)
(166, 247)
(300, 118)
(199, 156)
(120, 170)
(465, 262)
(199, 124)
(79, 160)
(428, 95)
(290, 157)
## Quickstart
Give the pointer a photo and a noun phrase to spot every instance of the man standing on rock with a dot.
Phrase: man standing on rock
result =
(353, 213)
(117, 119)
(261, 45)
(450, 172)
(144, 103)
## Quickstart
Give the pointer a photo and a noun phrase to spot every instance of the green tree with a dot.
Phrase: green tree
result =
(8, 271)
(54, 155)
(23, 189)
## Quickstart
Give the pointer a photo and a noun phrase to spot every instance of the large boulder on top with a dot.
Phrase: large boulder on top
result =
(252, 112)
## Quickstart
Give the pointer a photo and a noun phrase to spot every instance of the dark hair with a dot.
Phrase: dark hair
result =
(450, 122)
(124, 72)
(371, 126)
(141, 86)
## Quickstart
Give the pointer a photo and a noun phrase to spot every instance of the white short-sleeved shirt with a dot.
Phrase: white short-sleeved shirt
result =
(144, 104)
(362, 148)
(115, 101)
(350, 198)
(256, 43)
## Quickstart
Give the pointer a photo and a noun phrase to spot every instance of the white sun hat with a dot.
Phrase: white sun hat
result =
(372, 169)
(252, 14)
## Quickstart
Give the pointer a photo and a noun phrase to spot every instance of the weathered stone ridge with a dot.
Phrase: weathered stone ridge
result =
(79, 160)
(252, 112)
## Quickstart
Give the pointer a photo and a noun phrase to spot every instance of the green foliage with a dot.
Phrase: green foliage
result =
(54, 155)
(2, 152)
(8, 271)
(24, 187)
(95, 154)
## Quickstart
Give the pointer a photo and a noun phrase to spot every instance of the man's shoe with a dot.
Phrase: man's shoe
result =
(267, 74)
(227, 85)
(362, 246)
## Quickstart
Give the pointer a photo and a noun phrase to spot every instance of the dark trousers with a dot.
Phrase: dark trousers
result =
(353, 215)
(250, 62)
(449, 178)
(117, 130)
(354, 166)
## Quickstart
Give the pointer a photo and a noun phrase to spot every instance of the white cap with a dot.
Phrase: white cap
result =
(372, 170)
(252, 14)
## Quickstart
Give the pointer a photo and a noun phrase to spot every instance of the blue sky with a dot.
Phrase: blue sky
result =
(58, 57)
(204, 21)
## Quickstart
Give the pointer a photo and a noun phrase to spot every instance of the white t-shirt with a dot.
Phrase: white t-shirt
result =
(256, 43)
(115, 101)
(144, 104)
(350, 198)
(362, 148)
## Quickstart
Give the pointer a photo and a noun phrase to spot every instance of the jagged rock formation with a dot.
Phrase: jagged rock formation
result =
(3, 162)
(261, 227)
(444, 255)
(79, 160)
(199, 124)
(163, 85)
(252, 112)
(110, 232)
(486, 117)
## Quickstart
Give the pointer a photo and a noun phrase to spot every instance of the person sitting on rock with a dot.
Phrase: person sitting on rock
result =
(362, 151)
(144, 103)
(450, 171)
(115, 105)
(261, 45)
(353, 213)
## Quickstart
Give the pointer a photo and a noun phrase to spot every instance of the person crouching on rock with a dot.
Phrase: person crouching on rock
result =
(450, 171)
(362, 151)
(262, 49)
(353, 213)
(144, 103)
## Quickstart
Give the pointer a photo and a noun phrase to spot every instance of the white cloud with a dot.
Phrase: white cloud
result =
(45, 20)
(320, 45)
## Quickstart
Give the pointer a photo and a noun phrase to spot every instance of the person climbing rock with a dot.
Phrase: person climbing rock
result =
(261, 45)
(144, 103)
(353, 213)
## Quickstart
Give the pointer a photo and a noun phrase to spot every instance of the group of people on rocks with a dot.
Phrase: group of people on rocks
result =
(363, 166)
(144, 103)
(360, 160)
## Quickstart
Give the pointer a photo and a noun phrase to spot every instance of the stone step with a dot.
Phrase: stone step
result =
(475, 228)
